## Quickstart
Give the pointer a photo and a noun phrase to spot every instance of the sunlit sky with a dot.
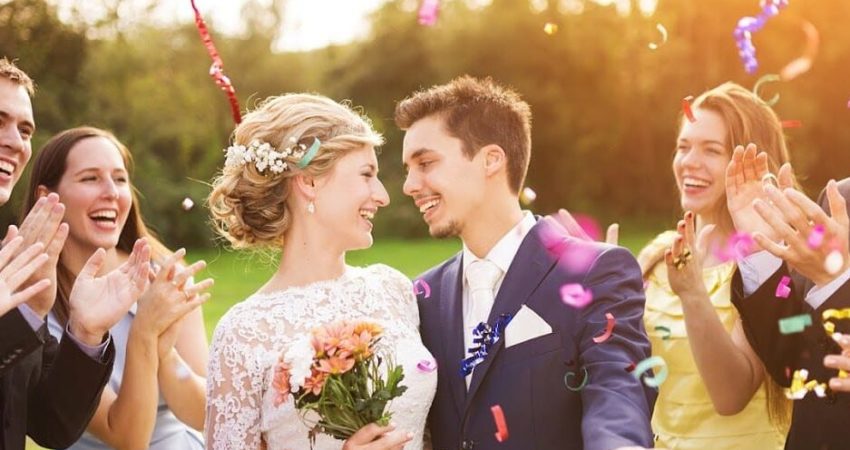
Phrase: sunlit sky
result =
(308, 24)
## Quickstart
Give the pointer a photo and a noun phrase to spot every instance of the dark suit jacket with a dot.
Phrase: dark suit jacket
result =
(50, 392)
(528, 379)
(817, 423)
(17, 340)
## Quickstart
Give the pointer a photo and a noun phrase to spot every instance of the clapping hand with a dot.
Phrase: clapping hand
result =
(43, 225)
(168, 299)
(15, 269)
(841, 362)
(99, 302)
(570, 226)
(746, 176)
(793, 217)
(684, 258)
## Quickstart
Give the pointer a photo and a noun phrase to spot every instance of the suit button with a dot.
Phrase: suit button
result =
(468, 445)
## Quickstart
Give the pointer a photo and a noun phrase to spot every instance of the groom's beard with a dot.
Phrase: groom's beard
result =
(451, 230)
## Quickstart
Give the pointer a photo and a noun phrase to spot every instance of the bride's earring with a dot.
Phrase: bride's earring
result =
(311, 208)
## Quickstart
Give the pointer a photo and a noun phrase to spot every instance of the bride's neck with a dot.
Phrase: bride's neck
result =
(304, 260)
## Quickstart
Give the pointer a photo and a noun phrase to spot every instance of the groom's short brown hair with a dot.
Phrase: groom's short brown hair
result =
(11, 72)
(479, 112)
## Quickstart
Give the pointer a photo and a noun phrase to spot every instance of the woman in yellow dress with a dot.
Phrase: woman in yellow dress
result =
(716, 395)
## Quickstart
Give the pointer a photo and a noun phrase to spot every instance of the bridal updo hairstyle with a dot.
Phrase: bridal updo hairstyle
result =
(249, 207)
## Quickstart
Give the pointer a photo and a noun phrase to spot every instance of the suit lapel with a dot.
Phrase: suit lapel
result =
(529, 267)
(451, 318)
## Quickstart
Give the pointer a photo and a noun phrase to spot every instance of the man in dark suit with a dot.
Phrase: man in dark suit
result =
(466, 148)
(785, 215)
(50, 390)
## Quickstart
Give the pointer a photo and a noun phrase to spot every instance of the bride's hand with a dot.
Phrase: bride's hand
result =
(376, 437)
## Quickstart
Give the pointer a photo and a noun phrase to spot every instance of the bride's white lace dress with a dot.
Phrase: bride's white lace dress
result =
(251, 337)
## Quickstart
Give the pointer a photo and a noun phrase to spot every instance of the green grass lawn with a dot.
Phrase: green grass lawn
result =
(238, 274)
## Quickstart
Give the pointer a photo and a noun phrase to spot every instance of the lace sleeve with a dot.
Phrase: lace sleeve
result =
(234, 387)
(402, 291)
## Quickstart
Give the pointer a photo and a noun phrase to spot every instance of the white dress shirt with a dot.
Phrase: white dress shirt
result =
(757, 268)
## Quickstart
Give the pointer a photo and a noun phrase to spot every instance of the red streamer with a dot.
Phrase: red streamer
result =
(217, 67)
(686, 107)
(792, 123)
(501, 424)
(608, 330)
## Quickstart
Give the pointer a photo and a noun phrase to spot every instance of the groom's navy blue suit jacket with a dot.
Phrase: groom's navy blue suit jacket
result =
(528, 379)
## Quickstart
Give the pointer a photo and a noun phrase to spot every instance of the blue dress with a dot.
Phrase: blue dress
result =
(169, 433)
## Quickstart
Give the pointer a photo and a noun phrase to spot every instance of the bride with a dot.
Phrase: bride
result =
(314, 199)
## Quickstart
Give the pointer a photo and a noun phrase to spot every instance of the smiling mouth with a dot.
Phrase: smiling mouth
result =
(105, 216)
(427, 206)
(7, 168)
(694, 183)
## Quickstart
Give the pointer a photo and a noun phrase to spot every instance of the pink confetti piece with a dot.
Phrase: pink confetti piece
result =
(609, 329)
(589, 225)
(427, 365)
(501, 423)
(428, 12)
(816, 236)
(739, 246)
(802, 64)
(425, 288)
(575, 295)
(782, 289)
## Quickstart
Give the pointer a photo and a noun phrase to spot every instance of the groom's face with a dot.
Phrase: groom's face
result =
(445, 184)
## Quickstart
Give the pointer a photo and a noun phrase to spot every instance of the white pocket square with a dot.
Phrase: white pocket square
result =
(525, 325)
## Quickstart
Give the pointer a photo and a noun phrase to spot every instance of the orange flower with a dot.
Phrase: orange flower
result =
(373, 328)
(359, 345)
(280, 383)
(327, 339)
(336, 365)
(315, 382)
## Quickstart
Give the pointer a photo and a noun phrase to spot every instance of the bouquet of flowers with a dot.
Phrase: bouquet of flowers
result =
(338, 374)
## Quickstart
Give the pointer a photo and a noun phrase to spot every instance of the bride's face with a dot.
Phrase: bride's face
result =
(350, 197)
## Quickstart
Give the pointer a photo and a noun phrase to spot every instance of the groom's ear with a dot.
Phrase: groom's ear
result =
(494, 158)
(306, 185)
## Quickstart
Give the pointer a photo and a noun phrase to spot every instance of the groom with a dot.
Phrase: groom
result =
(466, 148)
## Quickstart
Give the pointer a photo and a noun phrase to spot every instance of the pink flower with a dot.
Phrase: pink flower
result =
(280, 383)
(336, 365)
(315, 382)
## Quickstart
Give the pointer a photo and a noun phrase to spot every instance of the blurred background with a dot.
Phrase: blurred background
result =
(604, 84)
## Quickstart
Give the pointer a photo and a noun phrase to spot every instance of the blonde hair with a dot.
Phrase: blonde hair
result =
(251, 208)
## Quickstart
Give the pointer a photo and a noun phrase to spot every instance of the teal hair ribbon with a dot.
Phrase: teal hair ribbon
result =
(311, 153)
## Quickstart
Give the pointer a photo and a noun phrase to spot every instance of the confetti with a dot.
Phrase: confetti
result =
(217, 67)
(794, 324)
(829, 325)
(686, 108)
(834, 262)
(769, 78)
(527, 196)
(666, 331)
(581, 384)
(792, 123)
(782, 289)
(550, 28)
(609, 329)
(428, 12)
(663, 31)
(589, 225)
(187, 204)
(630, 368)
(815, 239)
(748, 25)
(802, 64)
(575, 295)
(425, 288)
(737, 247)
(800, 387)
(427, 365)
(501, 424)
(650, 363)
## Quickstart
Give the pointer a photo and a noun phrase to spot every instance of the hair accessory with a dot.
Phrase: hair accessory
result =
(264, 156)
(311, 153)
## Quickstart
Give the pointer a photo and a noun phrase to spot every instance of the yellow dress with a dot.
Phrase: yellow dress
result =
(684, 418)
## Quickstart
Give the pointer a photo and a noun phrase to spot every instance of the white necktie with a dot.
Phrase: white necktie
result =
(481, 275)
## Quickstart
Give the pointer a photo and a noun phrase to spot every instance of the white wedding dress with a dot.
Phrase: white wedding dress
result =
(252, 336)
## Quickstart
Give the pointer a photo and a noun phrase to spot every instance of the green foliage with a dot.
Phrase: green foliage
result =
(606, 108)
